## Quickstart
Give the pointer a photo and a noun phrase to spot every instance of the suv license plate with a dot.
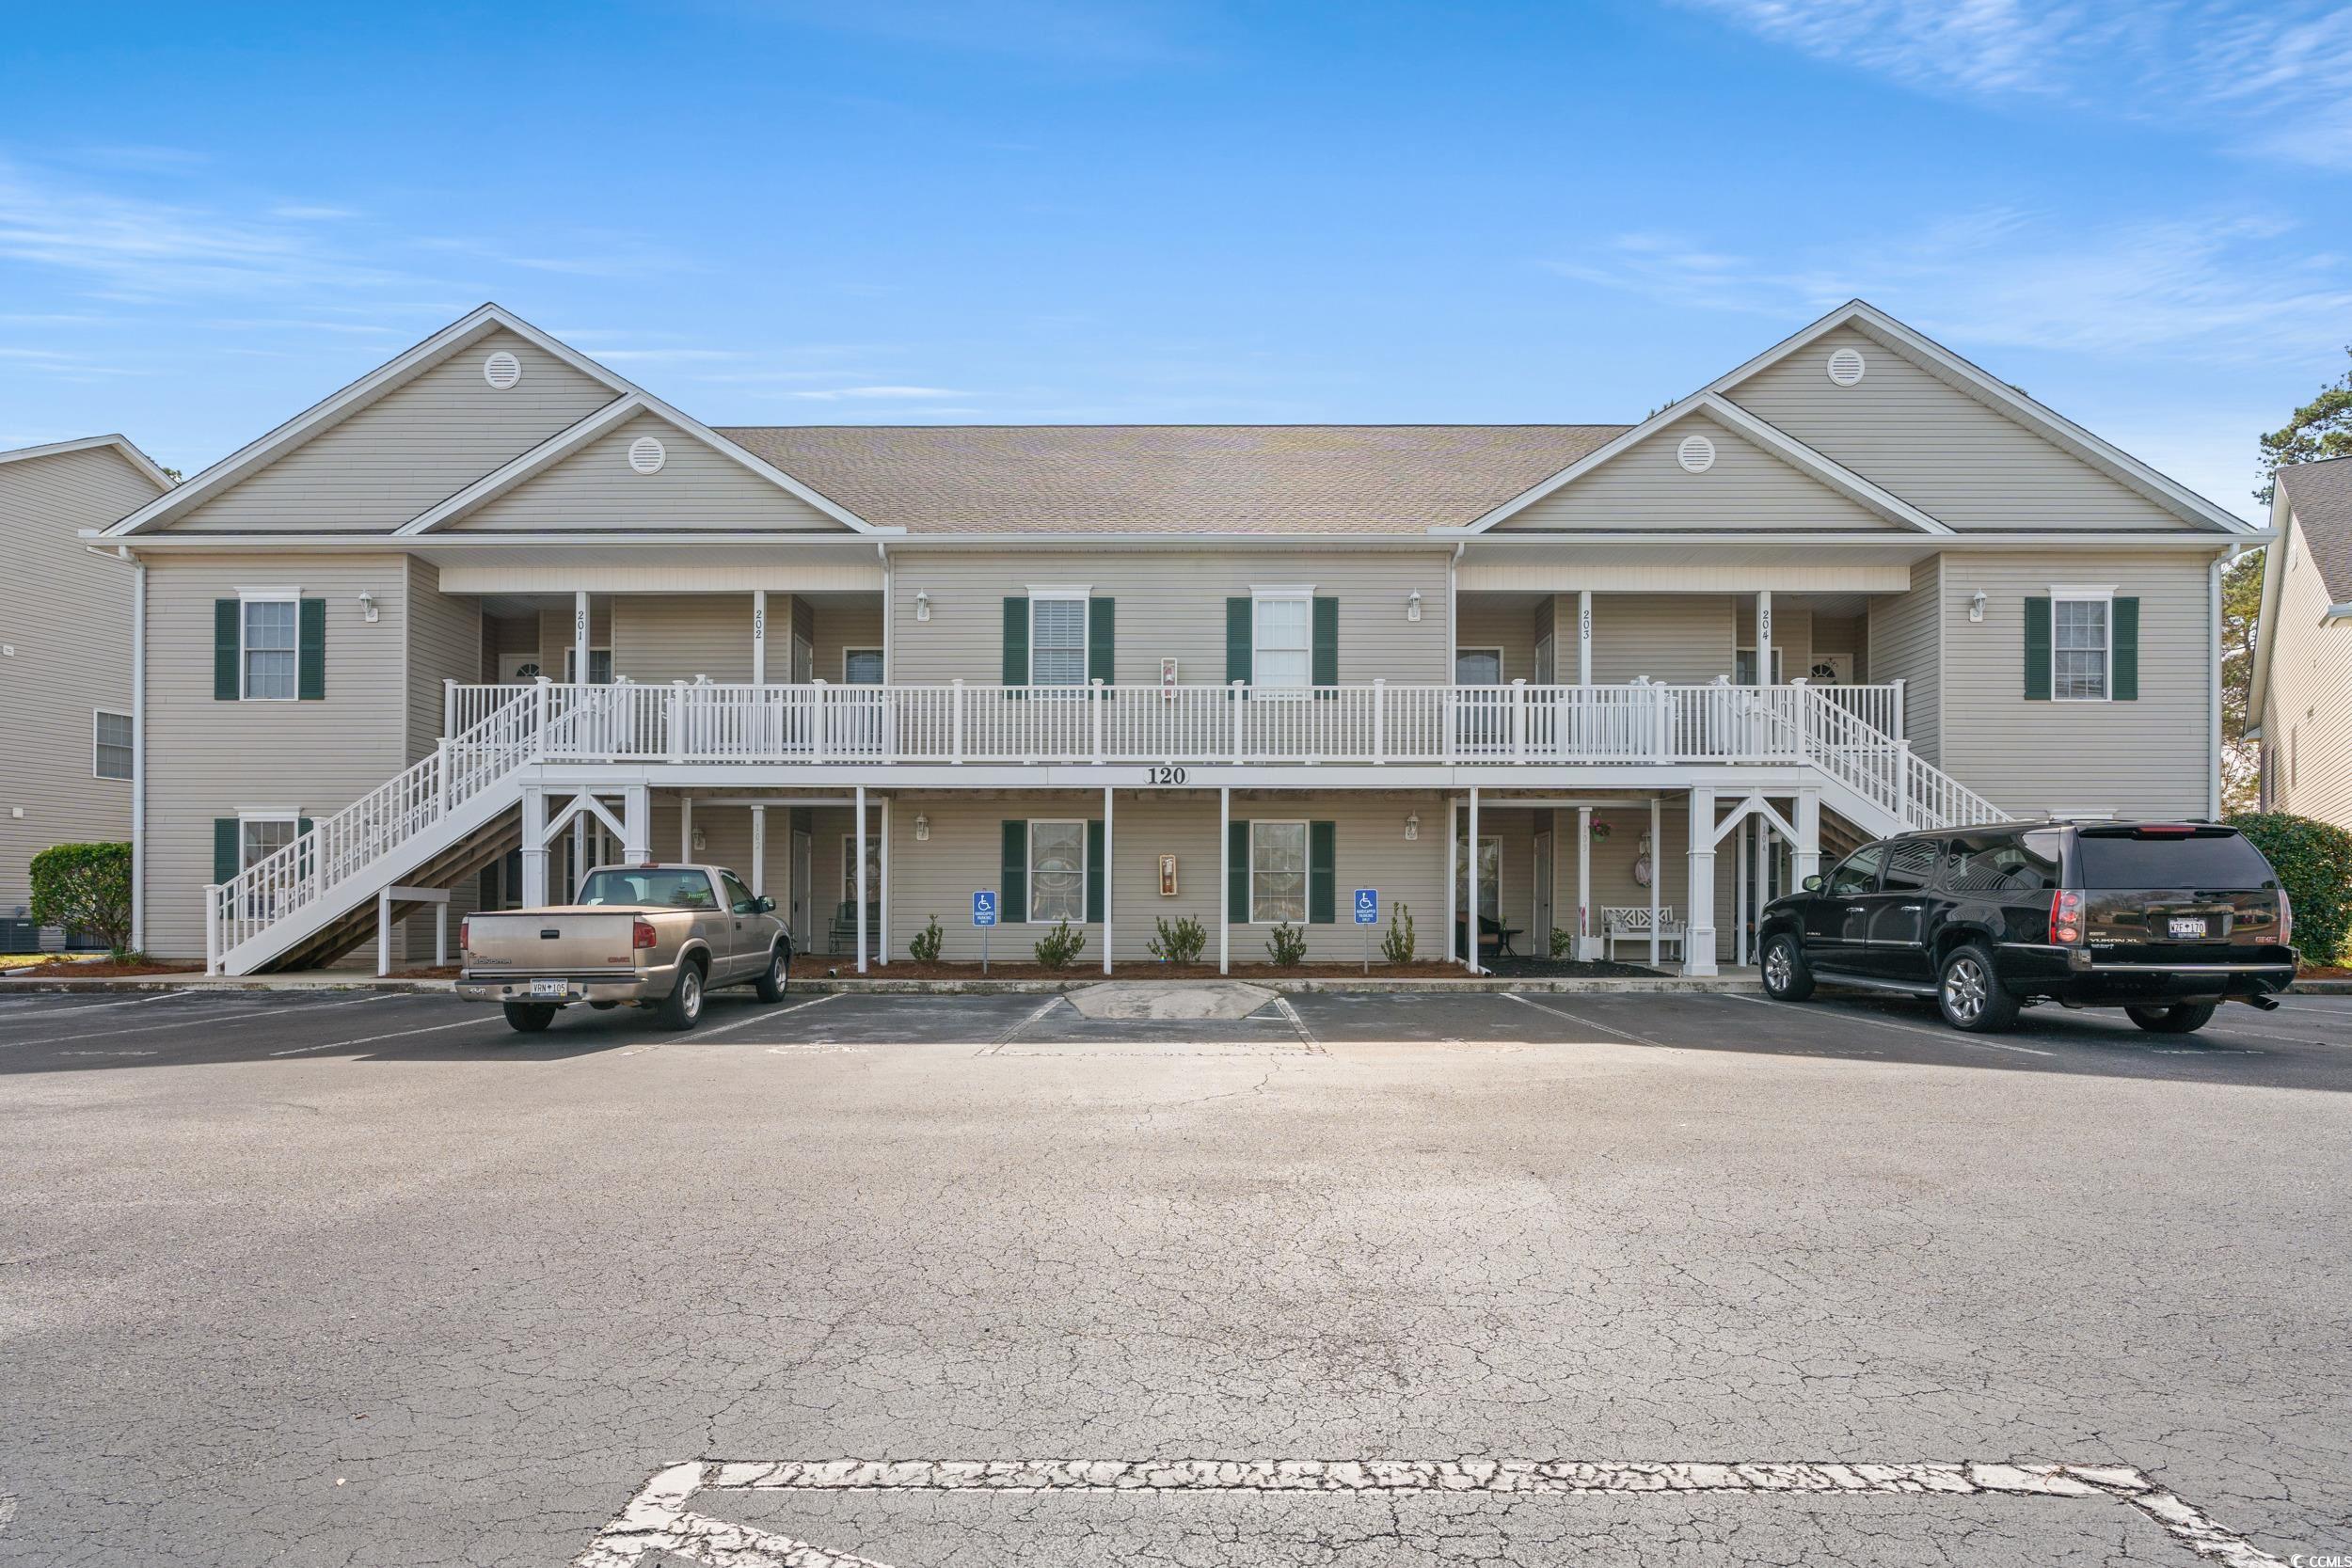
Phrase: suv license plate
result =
(556, 987)
(2185, 927)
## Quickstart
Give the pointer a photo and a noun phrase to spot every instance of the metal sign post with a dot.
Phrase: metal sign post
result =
(1367, 916)
(984, 917)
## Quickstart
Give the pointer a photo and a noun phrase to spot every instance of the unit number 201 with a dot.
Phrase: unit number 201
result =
(1164, 775)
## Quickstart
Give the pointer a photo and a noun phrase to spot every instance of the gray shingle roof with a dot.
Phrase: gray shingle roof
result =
(2321, 495)
(1171, 478)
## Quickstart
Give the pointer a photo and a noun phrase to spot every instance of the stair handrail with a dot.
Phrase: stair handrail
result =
(1884, 770)
(339, 847)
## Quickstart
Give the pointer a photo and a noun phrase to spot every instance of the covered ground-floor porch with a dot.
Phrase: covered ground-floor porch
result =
(1667, 877)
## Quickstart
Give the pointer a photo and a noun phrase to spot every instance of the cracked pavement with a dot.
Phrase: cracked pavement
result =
(354, 1279)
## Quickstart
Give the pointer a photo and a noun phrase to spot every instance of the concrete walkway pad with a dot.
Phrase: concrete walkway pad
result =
(1170, 999)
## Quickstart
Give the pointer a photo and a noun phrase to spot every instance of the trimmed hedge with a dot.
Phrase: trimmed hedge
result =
(86, 888)
(2313, 860)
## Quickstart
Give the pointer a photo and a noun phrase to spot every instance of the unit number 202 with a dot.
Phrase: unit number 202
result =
(1164, 775)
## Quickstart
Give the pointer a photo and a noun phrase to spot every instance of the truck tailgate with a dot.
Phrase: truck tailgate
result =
(552, 942)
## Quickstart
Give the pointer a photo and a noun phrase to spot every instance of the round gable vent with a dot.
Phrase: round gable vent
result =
(645, 455)
(501, 370)
(1697, 454)
(1846, 366)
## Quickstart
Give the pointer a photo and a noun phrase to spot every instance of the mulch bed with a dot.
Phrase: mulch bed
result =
(842, 966)
(97, 969)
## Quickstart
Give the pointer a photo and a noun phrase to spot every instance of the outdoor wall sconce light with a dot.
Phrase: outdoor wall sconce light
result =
(1412, 827)
(367, 606)
(922, 606)
(1975, 605)
(922, 829)
(1412, 605)
(699, 841)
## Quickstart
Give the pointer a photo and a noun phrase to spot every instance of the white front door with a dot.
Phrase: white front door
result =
(1831, 670)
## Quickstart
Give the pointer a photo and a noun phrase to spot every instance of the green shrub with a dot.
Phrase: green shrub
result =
(1562, 941)
(1057, 947)
(2314, 861)
(86, 888)
(923, 949)
(1397, 946)
(1287, 946)
(1180, 941)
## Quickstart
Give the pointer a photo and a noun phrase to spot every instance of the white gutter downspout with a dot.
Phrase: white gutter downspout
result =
(2212, 686)
(889, 608)
(1453, 628)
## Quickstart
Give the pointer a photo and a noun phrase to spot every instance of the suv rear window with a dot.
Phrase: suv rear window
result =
(2213, 858)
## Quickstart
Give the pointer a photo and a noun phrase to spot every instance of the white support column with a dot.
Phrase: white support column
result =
(685, 827)
(1470, 881)
(440, 934)
(580, 637)
(1108, 882)
(1657, 870)
(1763, 637)
(1587, 942)
(1807, 852)
(1740, 896)
(534, 847)
(881, 899)
(857, 849)
(1762, 881)
(1585, 637)
(636, 824)
(759, 640)
(1224, 882)
(580, 857)
(1698, 938)
(759, 851)
(1453, 828)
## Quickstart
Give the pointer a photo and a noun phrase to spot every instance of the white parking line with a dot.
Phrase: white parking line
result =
(760, 1017)
(181, 1022)
(9, 1017)
(1014, 1031)
(1583, 1022)
(1298, 1025)
(1949, 1036)
(397, 1034)
(657, 1519)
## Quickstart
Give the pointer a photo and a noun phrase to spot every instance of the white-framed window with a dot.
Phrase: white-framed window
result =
(1282, 638)
(1743, 666)
(2082, 644)
(268, 656)
(1489, 876)
(1278, 873)
(1057, 871)
(1478, 666)
(262, 834)
(110, 745)
(861, 667)
(1057, 636)
(599, 666)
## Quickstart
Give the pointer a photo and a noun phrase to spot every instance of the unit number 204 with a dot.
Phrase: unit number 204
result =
(1164, 775)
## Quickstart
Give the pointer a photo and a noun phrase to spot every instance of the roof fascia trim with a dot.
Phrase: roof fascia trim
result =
(121, 443)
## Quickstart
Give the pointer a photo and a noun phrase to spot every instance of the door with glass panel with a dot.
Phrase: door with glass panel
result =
(1481, 720)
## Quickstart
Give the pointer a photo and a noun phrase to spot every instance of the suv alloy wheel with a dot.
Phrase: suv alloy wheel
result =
(1969, 992)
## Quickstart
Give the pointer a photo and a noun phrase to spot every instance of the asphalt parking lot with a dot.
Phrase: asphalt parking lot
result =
(347, 1278)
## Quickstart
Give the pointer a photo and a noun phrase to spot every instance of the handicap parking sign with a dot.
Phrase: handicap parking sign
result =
(983, 907)
(1367, 905)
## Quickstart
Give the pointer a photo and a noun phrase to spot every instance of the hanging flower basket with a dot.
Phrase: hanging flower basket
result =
(1601, 830)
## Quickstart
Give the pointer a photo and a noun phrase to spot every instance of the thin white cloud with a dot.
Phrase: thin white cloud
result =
(833, 394)
(294, 212)
(2275, 80)
(1129, 33)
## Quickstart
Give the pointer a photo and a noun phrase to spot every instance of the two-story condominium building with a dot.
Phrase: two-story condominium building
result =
(493, 613)
(65, 656)
(2300, 702)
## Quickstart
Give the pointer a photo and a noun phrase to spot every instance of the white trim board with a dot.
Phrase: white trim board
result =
(121, 444)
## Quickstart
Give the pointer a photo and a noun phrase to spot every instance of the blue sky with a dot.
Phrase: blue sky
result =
(1007, 210)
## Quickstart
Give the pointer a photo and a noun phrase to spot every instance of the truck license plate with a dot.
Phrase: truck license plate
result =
(2184, 925)
(556, 987)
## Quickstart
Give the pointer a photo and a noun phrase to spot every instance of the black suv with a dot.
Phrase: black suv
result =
(2166, 920)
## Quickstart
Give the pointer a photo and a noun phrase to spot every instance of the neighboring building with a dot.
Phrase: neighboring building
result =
(66, 750)
(492, 613)
(2300, 705)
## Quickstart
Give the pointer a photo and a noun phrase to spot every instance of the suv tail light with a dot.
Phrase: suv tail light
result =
(2286, 919)
(641, 934)
(2066, 917)
(465, 934)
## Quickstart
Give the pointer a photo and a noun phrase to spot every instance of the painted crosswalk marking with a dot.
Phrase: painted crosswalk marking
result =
(657, 1519)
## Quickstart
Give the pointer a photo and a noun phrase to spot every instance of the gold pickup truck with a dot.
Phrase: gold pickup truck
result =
(652, 936)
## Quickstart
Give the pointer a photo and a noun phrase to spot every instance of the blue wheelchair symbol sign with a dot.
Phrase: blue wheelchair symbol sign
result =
(1367, 905)
(983, 908)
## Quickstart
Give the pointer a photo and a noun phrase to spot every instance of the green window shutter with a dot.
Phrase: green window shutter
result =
(224, 844)
(2036, 650)
(1102, 641)
(1322, 873)
(1237, 869)
(225, 638)
(310, 661)
(1240, 640)
(1016, 643)
(1324, 665)
(1013, 870)
(1094, 873)
(2125, 684)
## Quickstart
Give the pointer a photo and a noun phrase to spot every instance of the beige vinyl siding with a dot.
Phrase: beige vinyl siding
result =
(1843, 634)
(2307, 699)
(208, 759)
(2143, 758)
(1613, 886)
(416, 445)
(1170, 605)
(444, 640)
(676, 636)
(697, 488)
(1505, 621)
(1675, 638)
(1792, 632)
(1906, 635)
(1954, 457)
(842, 622)
(67, 615)
(555, 632)
(1645, 487)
